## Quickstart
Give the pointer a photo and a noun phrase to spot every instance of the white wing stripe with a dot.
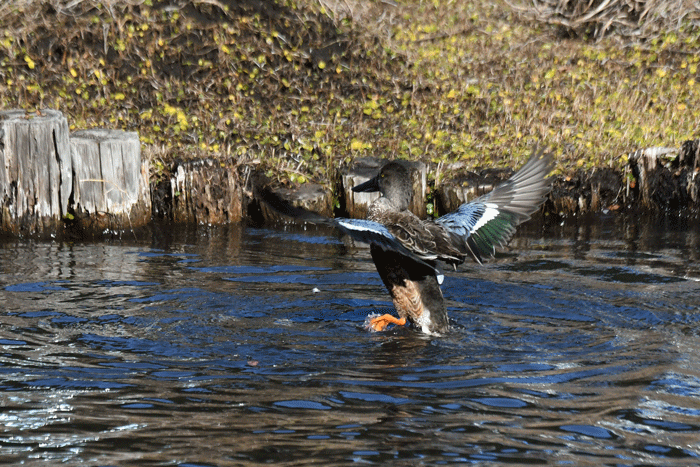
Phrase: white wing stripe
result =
(490, 213)
(366, 226)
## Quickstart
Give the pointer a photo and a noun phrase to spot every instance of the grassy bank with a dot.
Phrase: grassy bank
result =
(300, 85)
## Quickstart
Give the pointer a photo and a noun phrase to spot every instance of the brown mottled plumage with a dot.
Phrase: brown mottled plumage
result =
(405, 248)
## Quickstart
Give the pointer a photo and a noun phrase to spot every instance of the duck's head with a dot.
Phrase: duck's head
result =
(394, 183)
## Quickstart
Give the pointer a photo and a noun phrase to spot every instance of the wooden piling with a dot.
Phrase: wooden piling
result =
(35, 173)
(205, 192)
(110, 184)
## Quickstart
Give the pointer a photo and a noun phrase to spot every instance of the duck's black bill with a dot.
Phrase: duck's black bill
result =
(369, 186)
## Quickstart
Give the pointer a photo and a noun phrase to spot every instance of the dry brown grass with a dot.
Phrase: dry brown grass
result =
(300, 86)
(631, 18)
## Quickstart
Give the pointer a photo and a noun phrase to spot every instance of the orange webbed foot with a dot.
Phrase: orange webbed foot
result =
(379, 323)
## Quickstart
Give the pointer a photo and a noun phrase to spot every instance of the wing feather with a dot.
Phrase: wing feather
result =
(374, 233)
(489, 221)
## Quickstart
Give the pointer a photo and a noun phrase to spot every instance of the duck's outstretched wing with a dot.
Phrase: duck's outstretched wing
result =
(361, 230)
(374, 233)
(490, 220)
(423, 238)
(370, 232)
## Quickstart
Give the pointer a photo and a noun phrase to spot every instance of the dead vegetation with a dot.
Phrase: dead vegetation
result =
(641, 20)
(300, 85)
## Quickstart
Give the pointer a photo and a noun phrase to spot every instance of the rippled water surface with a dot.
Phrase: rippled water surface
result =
(240, 345)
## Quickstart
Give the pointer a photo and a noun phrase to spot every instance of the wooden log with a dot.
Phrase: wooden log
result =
(312, 197)
(668, 178)
(309, 196)
(690, 158)
(356, 204)
(658, 187)
(110, 185)
(467, 186)
(35, 174)
(205, 192)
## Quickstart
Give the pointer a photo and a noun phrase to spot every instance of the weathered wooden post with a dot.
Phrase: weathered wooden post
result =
(452, 193)
(110, 184)
(361, 170)
(309, 196)
(205, 192)
(667, 178)
(35, 173)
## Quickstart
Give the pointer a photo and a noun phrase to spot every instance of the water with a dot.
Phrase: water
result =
(240, 345)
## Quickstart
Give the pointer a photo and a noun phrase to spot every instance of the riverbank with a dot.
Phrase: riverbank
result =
(297, 89)
(301, 86)
(95, 183)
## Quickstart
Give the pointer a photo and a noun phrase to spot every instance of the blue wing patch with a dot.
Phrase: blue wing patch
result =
(463, 220)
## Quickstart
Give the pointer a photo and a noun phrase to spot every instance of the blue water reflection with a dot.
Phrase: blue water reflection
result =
(235, 345)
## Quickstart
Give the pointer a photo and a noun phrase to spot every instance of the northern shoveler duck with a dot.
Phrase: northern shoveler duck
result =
(405, 249)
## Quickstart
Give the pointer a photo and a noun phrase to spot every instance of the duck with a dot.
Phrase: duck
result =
(406, 249)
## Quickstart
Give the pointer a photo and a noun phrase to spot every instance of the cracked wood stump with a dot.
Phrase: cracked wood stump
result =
(35, 173)
(205, 192)
(110, 189)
